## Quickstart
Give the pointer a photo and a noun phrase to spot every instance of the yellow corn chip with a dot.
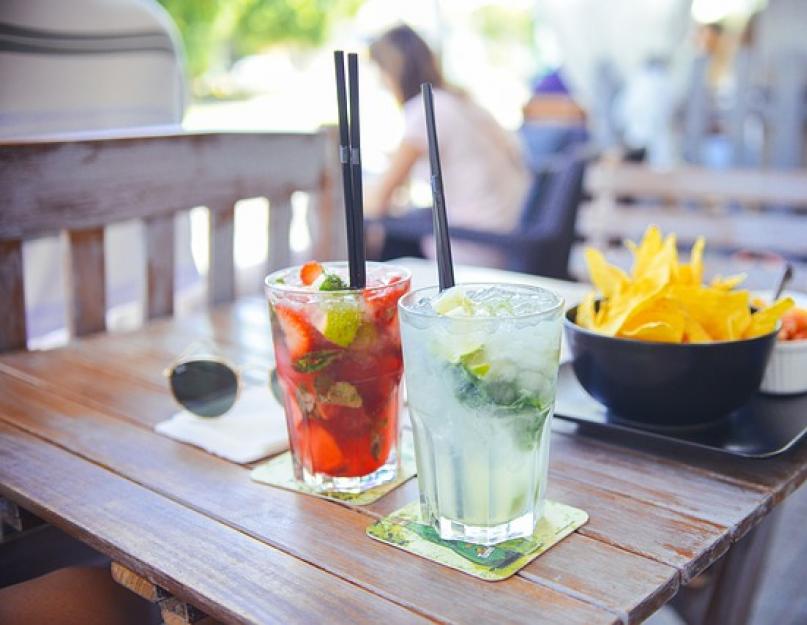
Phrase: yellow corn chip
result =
(728, 283)
(585, 312)
(661, 269)
(764, 321)
(660, 320)
(696, 260)
(694, 332)
(655, 331)
(692, 272)
(646, 251)
(608, 279)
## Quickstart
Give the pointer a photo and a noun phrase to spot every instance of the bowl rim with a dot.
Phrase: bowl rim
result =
(567, 322)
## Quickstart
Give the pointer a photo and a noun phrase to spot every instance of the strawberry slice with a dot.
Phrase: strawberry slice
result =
(310, 272)
(383, 303)
(326, 457)
(297, 331)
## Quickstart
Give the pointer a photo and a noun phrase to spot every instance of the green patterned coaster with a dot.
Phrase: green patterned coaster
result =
(404, 529)
(279, 472)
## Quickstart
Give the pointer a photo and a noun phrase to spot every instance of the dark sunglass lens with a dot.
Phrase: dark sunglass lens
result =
(205, 387)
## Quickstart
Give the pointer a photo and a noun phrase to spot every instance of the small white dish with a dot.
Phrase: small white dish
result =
(787, 369)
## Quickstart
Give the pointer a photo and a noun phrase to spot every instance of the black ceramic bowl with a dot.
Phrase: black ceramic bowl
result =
(666, 384)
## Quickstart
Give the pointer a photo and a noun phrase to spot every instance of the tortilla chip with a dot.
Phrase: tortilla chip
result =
(764, 321)
(728, 283)
(661, 320)
(608, 279)
(646, 251)
(585, 312)
(694, 332)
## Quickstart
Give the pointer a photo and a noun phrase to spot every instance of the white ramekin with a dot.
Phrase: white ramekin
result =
(787, 369)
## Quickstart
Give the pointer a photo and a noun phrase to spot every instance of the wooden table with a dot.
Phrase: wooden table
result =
(77, 448)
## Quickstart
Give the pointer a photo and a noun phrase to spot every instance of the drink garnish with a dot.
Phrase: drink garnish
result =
(310, 272)
(332, 282)
(297, 331)
(316, 361)
(341, 323)
(342, 394)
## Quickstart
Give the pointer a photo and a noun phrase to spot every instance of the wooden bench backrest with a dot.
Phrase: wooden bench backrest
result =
(745, 186)
(81, 184)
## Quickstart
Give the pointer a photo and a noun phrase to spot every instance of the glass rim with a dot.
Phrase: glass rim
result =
(270, 284)
(405, 300)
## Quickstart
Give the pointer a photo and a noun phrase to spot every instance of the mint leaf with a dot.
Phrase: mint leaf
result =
(332, 282)
(316, 361)
(475, 392)
(342, 394)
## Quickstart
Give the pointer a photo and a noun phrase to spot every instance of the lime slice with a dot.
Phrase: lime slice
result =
(476, 363)
(454, 303)
(341, 324)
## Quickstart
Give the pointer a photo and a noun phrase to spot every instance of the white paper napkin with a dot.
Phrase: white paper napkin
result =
(254, 428)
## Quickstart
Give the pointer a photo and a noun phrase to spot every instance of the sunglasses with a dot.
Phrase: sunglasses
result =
(208, 385)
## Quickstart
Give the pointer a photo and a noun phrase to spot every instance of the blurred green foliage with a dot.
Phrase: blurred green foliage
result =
(216, 32)
(505, 24)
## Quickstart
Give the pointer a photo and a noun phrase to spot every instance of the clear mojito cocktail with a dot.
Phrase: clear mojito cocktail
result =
(339, 364)
(481, 366)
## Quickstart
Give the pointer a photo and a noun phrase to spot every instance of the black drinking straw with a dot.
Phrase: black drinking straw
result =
(445, 266)
(354, 249)
(355, 169)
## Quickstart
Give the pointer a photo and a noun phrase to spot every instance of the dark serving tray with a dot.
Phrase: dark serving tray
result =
(766, 426)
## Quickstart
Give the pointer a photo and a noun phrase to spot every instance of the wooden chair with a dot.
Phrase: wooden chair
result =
(78, 184)
(81, 183)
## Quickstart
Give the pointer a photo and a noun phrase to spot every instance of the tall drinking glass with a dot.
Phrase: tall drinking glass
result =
(481, 364)
(339, 364)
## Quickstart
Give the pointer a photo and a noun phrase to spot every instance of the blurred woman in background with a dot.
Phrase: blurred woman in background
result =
(484, 176)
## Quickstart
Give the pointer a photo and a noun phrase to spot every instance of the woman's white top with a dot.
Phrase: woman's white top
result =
(484, 176)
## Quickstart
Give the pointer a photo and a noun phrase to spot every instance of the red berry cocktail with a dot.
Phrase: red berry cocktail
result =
(339, 363)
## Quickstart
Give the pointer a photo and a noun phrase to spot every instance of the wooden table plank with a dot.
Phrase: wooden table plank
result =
(660, 481)
(326, 534)
(246, 582)
(777, 476)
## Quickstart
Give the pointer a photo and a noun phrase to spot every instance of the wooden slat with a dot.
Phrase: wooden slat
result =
(775, 477)
(221, 272)
(326, 220)
(753, 186)
(286, 520)
(138, 584)
(177, 612)
(173, 546)
(78, 182)
(12, 321)
(86, 281)
(279, 225)
(779, 232)
(159, 234)
(666, 484)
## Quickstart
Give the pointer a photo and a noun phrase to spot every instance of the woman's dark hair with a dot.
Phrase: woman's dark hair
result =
(403, 55)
